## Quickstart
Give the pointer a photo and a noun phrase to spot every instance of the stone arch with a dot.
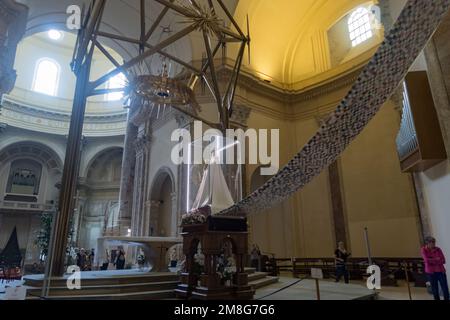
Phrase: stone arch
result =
(163, 204)
(34, 150)
(46, 178)
(101, 158)
(160, 175)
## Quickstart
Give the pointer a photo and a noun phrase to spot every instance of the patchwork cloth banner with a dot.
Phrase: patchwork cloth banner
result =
(377, 82)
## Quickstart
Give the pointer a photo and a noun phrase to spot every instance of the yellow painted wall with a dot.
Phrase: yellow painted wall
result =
(375, 192)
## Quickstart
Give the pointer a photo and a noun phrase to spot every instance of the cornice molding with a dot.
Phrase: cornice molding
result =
(28, 117)
(250, 82)
(11, 104)
(288, 100)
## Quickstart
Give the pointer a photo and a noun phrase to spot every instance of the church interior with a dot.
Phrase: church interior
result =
(353, 97)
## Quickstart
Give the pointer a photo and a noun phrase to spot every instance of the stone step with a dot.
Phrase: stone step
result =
(249, 270)
(150, 295)
(108, 289)
(256, 276)
(257, 284)
(89, 280)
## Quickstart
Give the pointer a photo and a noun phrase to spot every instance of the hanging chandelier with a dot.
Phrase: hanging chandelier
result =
(153, 96)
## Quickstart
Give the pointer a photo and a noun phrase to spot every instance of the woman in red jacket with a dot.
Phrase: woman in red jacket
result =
(434, 267)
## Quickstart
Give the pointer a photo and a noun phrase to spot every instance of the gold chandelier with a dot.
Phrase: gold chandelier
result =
(152, 96)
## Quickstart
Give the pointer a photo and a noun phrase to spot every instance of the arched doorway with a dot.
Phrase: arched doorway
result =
(163, 213)
(97, 209)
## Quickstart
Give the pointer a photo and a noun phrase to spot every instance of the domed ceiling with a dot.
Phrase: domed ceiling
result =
(289, 45)
(289, 37)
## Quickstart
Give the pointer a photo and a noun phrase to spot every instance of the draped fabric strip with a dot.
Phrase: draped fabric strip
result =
(377, 82)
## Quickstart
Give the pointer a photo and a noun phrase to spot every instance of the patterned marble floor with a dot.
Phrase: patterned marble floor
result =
(306, 290)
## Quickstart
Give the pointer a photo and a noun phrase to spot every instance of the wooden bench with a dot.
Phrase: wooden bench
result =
(392, 269)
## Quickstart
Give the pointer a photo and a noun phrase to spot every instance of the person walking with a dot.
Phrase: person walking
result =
(434, 261)
(341, 255)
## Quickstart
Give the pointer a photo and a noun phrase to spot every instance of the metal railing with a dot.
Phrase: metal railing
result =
(26, 206)
(407, 142)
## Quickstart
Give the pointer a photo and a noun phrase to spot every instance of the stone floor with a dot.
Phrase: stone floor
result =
(306, 290)
(288, 289)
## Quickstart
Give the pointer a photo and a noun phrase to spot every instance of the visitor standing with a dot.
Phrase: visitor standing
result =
(255, 257)
(434, 261)
(141, 260)
(173, 258)
(341, 255)
(91, 260)
(120, 260)
(81, 259)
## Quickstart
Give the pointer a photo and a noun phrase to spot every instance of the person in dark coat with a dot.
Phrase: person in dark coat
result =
(120, 260)
(341, 255)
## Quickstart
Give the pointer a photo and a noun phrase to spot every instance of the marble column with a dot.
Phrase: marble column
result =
(13, 19)
(176, 218)
(153, 228)
(142, 146)
(78, 218)
(185, 122)
(127, 180)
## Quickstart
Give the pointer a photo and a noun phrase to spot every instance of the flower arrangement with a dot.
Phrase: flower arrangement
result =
(226, 269)
(196, 216)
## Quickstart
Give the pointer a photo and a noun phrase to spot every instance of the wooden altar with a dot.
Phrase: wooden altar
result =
(212, 235)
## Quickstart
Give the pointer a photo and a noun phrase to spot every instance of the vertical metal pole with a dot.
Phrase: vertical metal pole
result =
(369, 254)
(46, 280)
(407, 280)
(317, 289)
(70, 174)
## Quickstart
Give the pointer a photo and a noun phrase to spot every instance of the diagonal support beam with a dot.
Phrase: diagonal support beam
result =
(143, 56)
(117, 37)
(229, 95)
(91, 24)
(156, 24)
(106, 53)
(212, 68)
(227, 12)
(177, 8)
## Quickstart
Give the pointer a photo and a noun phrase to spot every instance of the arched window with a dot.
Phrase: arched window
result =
(116, 82)
(359, 26)
(46, 77)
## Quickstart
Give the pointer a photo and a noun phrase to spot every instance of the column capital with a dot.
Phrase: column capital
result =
(182, 119)
(142, 143)
(240, 115)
